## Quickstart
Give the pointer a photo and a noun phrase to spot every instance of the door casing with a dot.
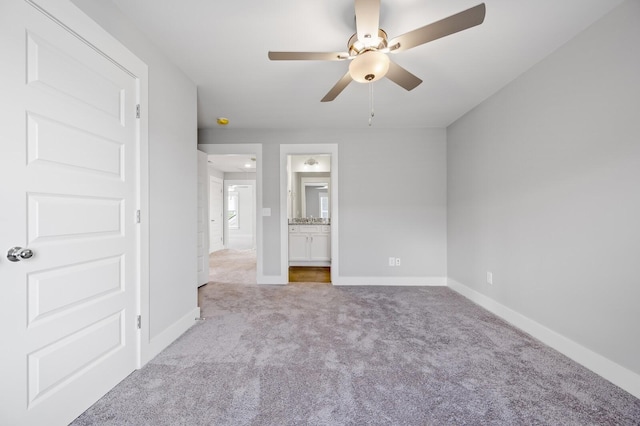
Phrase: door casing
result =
(309, 149)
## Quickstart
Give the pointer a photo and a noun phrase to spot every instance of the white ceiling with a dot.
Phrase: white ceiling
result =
(222, 47)
(233, 163)
(239, 163)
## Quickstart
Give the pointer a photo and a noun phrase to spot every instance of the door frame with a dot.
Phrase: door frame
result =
(307, 149)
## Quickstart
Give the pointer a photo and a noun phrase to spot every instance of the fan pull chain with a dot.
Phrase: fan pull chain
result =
(371, 104)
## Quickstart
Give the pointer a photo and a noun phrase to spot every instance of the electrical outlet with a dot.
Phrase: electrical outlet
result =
(392, 261)
(489, 278)
(397, 261)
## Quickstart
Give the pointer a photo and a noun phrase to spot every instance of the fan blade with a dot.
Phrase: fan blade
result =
(367, 19)
(339, 87)
(402, 77)
(447, 26)
(308, 56)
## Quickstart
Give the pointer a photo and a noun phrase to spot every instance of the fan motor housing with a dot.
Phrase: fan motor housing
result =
(358, 46)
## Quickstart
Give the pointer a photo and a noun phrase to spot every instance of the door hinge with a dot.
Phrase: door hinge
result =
(137, 216)
(139, 322)
(138, 111)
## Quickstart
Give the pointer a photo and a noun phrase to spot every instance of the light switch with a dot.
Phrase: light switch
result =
(266, 211)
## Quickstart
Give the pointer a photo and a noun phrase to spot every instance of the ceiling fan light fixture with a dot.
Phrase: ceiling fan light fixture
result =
(369, 66)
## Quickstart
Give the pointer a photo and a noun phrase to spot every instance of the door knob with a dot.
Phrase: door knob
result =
(16, 254)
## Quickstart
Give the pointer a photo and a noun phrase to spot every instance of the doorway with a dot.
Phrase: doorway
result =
(309, 211)
(254, 149)
(232, 212)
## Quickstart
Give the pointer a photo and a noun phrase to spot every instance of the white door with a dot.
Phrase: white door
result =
(68, 171)
(216, 241)
(203, 225)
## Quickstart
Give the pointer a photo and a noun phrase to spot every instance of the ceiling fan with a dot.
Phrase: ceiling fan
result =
(369, 46)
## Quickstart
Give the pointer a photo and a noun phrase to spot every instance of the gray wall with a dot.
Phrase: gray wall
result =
(543, 190)
(172, 164)
(239, 176)
(392, 196)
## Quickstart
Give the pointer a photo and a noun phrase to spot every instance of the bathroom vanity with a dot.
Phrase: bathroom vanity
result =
(309, 244)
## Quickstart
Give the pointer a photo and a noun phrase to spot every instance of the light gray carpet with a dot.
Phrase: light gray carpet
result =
(233, 266)
(313, 354)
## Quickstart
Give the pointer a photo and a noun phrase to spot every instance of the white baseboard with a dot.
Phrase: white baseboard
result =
(391, 281)
(322, 263)
(158, 343)
(615, 373)
(377, 281)
(272, 279)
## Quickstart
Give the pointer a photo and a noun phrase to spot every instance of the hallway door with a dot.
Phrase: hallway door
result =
(216, 207)
(203, 219)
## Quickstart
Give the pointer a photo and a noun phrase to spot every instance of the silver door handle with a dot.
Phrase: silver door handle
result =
(16, 254)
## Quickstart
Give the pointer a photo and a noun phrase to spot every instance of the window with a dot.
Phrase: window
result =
(324, 205)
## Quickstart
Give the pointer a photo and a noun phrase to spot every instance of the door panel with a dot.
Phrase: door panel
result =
(203, 216)
(69, 192)
(60, 217)
(53, 69)
(55, 365)
(60, 144)
(215, 215)
(51, 292)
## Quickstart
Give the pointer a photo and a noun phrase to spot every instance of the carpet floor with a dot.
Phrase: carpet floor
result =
(314, 354)
(233, 266)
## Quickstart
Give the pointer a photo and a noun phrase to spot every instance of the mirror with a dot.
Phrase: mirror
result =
(314, 197)
(309, 187)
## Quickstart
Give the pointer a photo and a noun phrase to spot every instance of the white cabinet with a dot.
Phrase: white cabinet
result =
(298, 246)
(320, 246)
(309, 245)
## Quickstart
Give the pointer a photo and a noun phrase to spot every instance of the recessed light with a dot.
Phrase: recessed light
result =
(223, 121)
